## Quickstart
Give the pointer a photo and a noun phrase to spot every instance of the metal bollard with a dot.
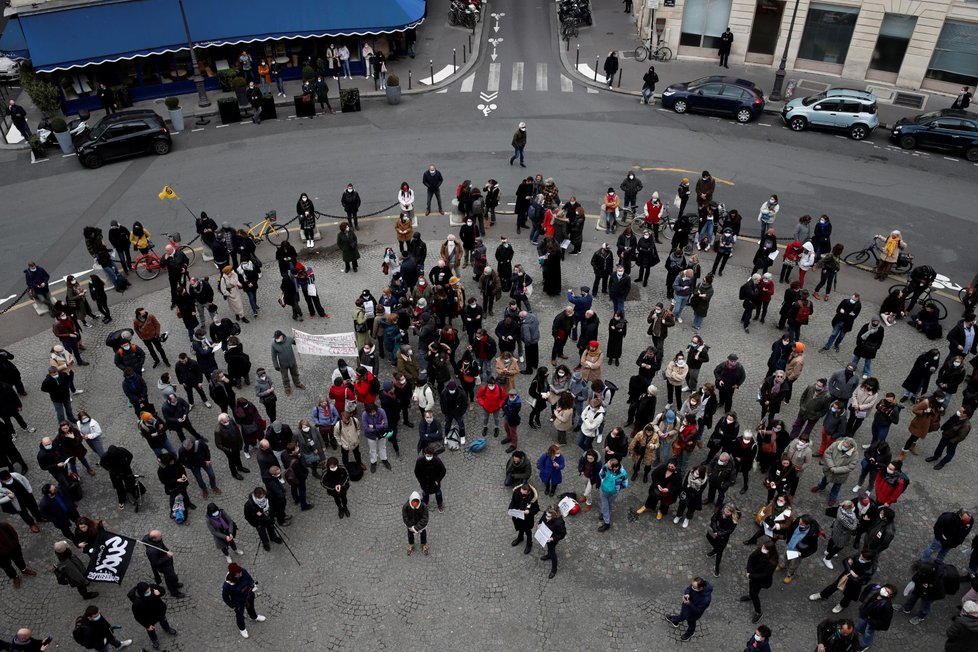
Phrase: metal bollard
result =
(596, 59)
(463, 54)
(431, 63)
(338, 87)
(470, 43)
(577, 62)
(409, 79)
(454, 64)
(620, 70)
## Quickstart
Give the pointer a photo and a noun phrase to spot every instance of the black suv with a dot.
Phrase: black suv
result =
(122, 134)
(949, 130)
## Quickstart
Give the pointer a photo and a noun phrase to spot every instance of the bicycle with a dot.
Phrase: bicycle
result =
(927, 296)
(148, 265)
(267, 229)
(568, 29)
(903, 265)
(661, 52)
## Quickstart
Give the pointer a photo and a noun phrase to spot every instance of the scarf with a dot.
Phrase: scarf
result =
(262, 504)
(870, 331)
(891, 245)
(695, 483)
(220, 522)
(848, 520)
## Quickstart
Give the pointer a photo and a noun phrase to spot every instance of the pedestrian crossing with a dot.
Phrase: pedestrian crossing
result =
(521, 77)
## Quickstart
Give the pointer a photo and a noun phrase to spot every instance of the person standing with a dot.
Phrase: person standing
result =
(950, 531)
(94, 632)
(17, 497)
(839, 461)
(961, 102)
(524, 499)
(729, 376)
(875, 612)
(613, 479)
(962, 633)
(148, 609)
(954, 431)
(836, 636)
(722, 525)
(519, 144)
(161, 561)
(696, 600)
(19, 117)
(432, 180)
(430, 471)
(347, 242)
(224, 530)
(12, 555)
(761, 565)
(258, 513)
(350, 200)
(726, 41)
(284, 360)
(801, 542)
(238, 593)
(336, 481)
(558, 531)
(414, 513)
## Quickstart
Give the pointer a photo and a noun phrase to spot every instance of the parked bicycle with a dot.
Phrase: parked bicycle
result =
(148, 265)
(927, 296)
(267, 229)
(463, 14)
(861, 257)
(660, 53)
(568, 29)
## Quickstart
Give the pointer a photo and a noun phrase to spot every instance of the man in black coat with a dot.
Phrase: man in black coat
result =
(51, 459)
(432, 180)
(276, 488)
(59, 509)
(257, 511)
(148, 609)
(638, 389)
(195, 455)
(950, 531)
(618, 288)
(161, 561)
(176, 413)
(603, 263)
(430, 471)
(94, 632)
(524, 499)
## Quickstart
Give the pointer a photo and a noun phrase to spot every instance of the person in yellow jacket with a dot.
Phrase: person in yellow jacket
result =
(140, 238)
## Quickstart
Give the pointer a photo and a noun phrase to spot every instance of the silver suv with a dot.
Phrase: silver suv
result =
(842, 109)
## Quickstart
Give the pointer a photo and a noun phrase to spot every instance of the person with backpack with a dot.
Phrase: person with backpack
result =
(799, 314)
(129, 355)
(94, 632)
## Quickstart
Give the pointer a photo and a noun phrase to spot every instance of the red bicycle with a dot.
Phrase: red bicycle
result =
(148, 265)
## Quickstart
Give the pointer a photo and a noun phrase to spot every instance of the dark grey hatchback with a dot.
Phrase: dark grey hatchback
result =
(739, 98)
(123, 134)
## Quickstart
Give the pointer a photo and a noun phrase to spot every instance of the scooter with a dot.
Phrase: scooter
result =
(76, 127)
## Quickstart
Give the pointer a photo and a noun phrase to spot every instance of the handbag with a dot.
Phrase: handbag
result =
(311, 290)
(842, 582)
(311, 459)
(640, 450)
(677, 202)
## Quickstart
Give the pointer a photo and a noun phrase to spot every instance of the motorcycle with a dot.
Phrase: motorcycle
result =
(76, 127)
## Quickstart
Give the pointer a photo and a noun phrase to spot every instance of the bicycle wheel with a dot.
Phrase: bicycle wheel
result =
(941, 308)
(147, 268)
(190, 254)
(857, 258)
(277, 234)
(663, 53)
(898, 286)
(641, 53)
(626, 217)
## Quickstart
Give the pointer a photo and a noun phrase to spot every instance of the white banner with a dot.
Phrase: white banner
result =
(333, 344)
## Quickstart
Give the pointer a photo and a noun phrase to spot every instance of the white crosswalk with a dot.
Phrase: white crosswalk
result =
(518, 79)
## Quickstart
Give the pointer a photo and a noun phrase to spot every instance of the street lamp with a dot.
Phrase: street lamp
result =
(779, 75)
(202, 100)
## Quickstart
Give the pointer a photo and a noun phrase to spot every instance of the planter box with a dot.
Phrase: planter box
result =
(350, 107)
(229, 112)
(176, 119)
(304, 109)
(393, 94)
(64, 142)
(268, 111)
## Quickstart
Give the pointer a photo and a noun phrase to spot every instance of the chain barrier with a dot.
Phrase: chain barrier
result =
(343, 217)
(14, 303)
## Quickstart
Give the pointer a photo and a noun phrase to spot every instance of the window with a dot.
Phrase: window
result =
(703, 22)
(946, 123)
(828, 105)
(967, 125)
(895, 33)
(955, 58)
(828, 31)
(710, 89)
(735, 91)
(851, 107)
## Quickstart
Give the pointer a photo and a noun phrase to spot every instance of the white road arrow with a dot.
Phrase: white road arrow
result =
(495, 27)
(488, 97)
(494, 42)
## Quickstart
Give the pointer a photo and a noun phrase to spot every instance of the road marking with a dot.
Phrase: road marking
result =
(467, 84)
(591, 90)
(495, 43)
(946, 158)
(493, 84)
(444, 73)
(72, 154)
(444, 90)
(587, 71)
(567, 86)
(196, 130)
(487, 106)
(541, 77)
(763, 124)
(692, 172)
(221, 126)
(517, 84)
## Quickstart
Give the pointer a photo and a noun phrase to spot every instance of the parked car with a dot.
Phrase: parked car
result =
(716, 94)
(9, 69)
(841, 109)
(122, 134)
(948, 130)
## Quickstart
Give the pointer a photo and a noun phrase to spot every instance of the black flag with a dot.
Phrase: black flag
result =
(110, 558)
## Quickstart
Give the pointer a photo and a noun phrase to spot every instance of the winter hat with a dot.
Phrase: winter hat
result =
(388, 385)
(513, 392)
(593, 344)
(799, 347)
(145, 416)
(58, 348)
(655, 195)
(451, 385)
(652, 389)
(733, 357)
(278, 334)
(234, 569)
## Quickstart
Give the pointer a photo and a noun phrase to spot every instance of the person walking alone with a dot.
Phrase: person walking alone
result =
(696, 600)
(519, 144)
(238, 593)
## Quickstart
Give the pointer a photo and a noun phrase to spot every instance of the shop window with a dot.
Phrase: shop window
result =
(891, 46)
(703, 22)
(955, 58)
(828, 31)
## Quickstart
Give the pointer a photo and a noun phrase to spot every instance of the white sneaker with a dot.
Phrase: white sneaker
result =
(814, 597)
(125, 643)
(208, 404)
(675, 520)
(244, 633)
(685, 523)
(462, 441)
(228, 557)
(679, 320)
(247, 455)
(239, 552)
(78, 391)
(856, 489)
(837, 609)
(828, 563)
(259, 618)
(865, 446)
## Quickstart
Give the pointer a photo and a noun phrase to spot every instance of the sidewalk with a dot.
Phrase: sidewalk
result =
(443, 54)
(615, 30)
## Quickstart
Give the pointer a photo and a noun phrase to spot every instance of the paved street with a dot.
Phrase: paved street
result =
(356, 588)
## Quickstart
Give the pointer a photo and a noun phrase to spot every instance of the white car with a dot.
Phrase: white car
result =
(9, 69)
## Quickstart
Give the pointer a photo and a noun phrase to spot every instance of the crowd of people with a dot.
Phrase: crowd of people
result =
(442, 352)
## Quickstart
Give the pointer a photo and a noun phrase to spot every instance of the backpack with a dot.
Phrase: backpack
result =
(354, 471)
(612, 388)
(114, 339)
(235, 328)
(452, 439)
(59, 575)
(804, 312)
(178, 511)
(478, 445)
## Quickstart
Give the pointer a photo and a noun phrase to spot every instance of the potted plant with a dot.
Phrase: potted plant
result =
(225, 77)
(228, 109)
(37, 147)
(393, 89)
(60, 129)
(308, 73)
(46, 96)
(176, 112)
(240, 88)
(350, 99)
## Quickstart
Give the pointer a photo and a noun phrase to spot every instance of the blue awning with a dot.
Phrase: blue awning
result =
(80, 35)
(12, 41)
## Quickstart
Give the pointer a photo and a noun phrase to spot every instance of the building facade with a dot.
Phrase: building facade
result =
(918, 44)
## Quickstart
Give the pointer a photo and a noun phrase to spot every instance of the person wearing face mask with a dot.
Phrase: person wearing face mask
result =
(841, 532)
(37, 285)
(773, 520)
(696, 600)
(768, 213)
(814, 404)
(833, 426)
(722, 525)
(926, 419)
(843, 321)
(129, 355)
(773, 391)
(862, 401)
(612, 480)
(149, 610)
(839, 461)
(224, 530)
(525, 500)
(16, 497)
(954, 431)
(729, 376)
(876, 458)
(875, 612)
(550, 466)
(675, 376)
(350, 200)
(631, 186)
(857, 571)
(491, 397)
(801, 542)
(93, 632)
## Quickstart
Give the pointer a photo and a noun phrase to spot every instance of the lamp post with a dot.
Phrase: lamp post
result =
(779, 75)
(202, 100)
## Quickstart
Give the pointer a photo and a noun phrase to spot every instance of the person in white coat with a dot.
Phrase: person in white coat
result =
(806, 261)
(592, 418)
(405, 197)
(769, 211)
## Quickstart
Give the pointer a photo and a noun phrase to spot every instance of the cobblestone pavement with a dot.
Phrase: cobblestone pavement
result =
(356, 588)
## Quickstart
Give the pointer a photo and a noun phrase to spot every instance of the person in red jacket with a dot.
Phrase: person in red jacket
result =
(891, 484)
(340, 393)
(491, 397)
(366, 386)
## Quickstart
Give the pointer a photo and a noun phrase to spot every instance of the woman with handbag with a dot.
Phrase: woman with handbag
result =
(691, 495)
(644, 450)
(856, 573)
(722, 526)
(305, 280)
(310, 446)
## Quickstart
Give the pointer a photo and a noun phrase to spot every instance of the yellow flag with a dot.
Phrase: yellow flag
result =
(167, 193)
